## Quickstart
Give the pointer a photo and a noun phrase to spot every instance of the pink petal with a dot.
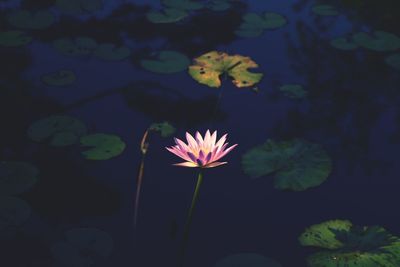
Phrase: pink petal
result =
(218, 152)
(222, 140)
(182, 145)
(215, 164)
(213, 139)
(191, 141)
(178, 153)
(186, 164)
(199, 139)
(207, 138)
(223, 153)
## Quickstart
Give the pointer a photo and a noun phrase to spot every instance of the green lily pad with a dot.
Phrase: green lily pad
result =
(164, 128)
(83, 247)
(59, 78)
(394, 61)
(325, 10)
(79, 7)
(208, 68)
(112, 53)
(167, 15)
(297, 164)
(80, 46)
(60, 131)
(343, 44)
(26, 19)
(351, 246)
(13, 213)
(14, 38)
(323, 235)
(16, 177)
(103, 146)
(166, 62)
(247, 260)
(183, 4)
(254, 24)
(379, 41)
(293, 91)
(219, 5)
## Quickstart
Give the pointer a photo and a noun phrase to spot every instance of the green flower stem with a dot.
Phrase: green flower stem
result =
(190, 217)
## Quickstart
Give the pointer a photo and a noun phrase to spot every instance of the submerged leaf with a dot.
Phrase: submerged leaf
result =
(59, 78)
(293, 91)
(167, 15)
(112, 53)
(103, 146)
(343, 44)
(379, 41)
(325, 10)
(208, 68)
(247, 260)
(16, 177)
(79, 7)
(394, 61)
(166, 62)
(60, 130)
(78, 47)
(13, 213)
(183, 4)
(254, 24)
(14, 38)
(26, 19)
(296, 164)
(219, 5)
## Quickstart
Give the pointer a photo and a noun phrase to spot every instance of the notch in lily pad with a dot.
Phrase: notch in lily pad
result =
(296, 164)
(164, 128)
(26, 19)
(254, 24)
(102, 146)
(14, 38)
(344, 244)
(57, 130)
(208, 68)
(166, 62)
(59, 78)
(247, 260)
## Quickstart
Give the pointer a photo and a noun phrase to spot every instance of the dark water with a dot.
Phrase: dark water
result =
(351, 110)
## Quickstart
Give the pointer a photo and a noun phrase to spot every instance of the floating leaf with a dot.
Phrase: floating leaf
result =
(183, 4)
(26, 19)
(14, 38)
(166, 62)
(219, 5)
(297, 164)
(164, 128)
(394, 61)
(351, 246)
(104, 146)
(59, 78)
(343, 44)
(254, 24)
(111, 53)
(247, 260)
(379, 41)
(293, 91)
(167, 15)
(13, 213)
(60, 130)
(208, 68)
(79, 7)
(83, 247)
(78, 47)
(325, 10)
(16, 177)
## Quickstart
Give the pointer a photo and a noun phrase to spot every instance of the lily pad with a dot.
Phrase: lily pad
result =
(351, 246)
(14, 38)
(378, 41)
(208, 68)
(167, 15)
(83, 247)
(26, 19)
(59, 78)
(183, 4)
(254, 24)
(79, 7)
(325, 10)
(103, 146)
(58, 130)
(219, 5)
(166, 62)
(343, 44)
(296, 164)
(394, 61)
(16, 177)
(247, 260)
(13, 213)
(293, 91)
(112, 53)
(164, 128)
(78, 47)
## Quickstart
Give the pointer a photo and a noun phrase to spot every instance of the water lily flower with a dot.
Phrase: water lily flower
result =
(201, 152)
